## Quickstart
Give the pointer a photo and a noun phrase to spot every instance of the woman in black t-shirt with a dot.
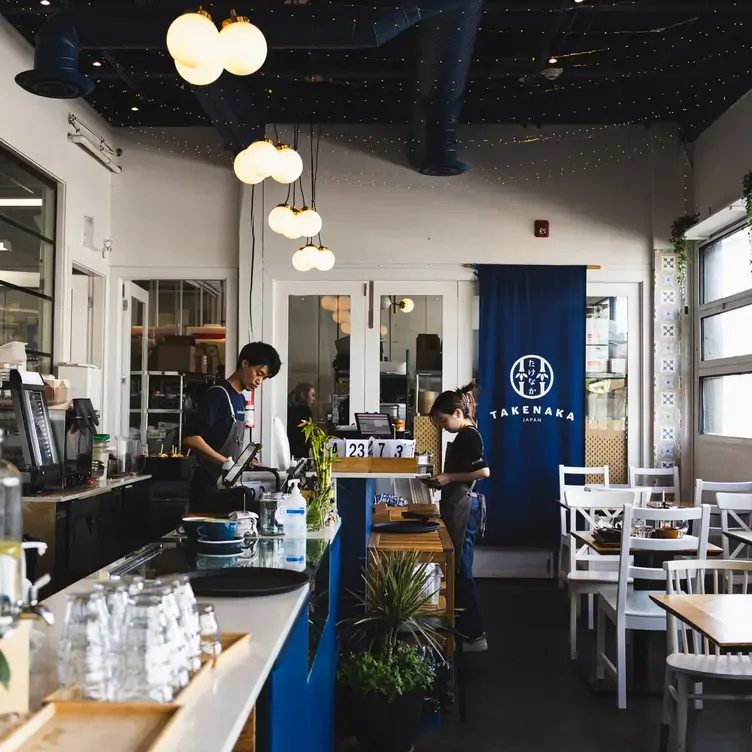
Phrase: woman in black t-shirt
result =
(462, 510)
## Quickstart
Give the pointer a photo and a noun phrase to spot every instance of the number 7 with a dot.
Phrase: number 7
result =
(382, 444)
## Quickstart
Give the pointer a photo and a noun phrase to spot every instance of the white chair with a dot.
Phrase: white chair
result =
(602, 570)
(691, 656)
(710, 487)
(632, 609)
(581, 472)
(732, 505)
(651, 479)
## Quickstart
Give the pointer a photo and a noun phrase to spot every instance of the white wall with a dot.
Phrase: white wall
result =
(37, 129)
(610, 194)
(177, 201)
(722, 155)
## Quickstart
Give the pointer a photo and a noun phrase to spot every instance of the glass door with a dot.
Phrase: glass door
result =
(319, 331)
(613, 367)
(134, 360)
(412, 353)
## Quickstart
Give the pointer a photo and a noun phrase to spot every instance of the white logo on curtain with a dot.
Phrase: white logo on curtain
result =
(532, 377)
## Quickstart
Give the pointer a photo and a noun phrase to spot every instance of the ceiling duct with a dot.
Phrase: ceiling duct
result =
(447, 36)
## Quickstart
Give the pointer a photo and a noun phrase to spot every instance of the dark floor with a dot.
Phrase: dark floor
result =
(524, 694)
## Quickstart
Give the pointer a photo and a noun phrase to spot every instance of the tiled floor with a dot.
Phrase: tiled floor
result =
(524, 696)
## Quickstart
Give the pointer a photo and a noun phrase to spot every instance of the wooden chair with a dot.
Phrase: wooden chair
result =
(631, 609)
(601, 570)
(650, 479)
(711, 487)
(732, 505)
(691, 656)
(581, 472)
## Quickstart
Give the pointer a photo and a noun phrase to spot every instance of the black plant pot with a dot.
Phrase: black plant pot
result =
(383, 726)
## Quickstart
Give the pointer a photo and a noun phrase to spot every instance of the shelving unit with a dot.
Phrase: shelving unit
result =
(185, 394)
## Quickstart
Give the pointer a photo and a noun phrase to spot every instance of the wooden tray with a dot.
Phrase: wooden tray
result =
(232, 643)
(74, 727)
(394, 465)
(352, 465)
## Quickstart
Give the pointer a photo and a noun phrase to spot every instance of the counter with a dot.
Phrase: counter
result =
(86, 492)
(292, 690)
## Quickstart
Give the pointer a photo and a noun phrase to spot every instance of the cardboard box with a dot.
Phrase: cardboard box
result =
(618, 365)
(599, 331)
(596, 359)
(181, 358)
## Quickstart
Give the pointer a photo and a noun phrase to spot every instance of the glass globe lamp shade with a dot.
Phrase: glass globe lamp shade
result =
(343, 302)
(244, 169)
(193, 41)
(292, 231)
(289, 166)
(309, 222)
(324, 259)
(242, 46)
(310, 254)
(407, 305)
(386, 303)
(383, 331)
(299, 263)
(281, 218)
(201, 76)
(262, 157)
(329, 303)
(346, 328)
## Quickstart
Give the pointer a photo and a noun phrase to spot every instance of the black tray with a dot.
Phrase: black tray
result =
(248, 582)
(405, 527)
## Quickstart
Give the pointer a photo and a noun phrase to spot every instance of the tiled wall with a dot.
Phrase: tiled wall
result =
(667, 322)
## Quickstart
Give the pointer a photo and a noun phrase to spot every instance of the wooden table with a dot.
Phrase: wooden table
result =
(649, 547)
(726, 620)
(740, 536)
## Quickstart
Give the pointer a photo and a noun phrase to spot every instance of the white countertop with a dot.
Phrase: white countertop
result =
(87, 491)
(376, 476)
(219, 707)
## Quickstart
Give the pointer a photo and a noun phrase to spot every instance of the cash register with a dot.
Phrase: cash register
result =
(29, 441)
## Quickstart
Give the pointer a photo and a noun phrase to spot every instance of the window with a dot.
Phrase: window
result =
(27, 259)
(725, 337)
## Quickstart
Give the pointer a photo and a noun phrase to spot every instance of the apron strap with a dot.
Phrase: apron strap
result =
(229, 401)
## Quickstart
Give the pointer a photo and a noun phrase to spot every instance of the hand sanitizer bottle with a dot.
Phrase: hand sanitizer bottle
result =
(295, 512)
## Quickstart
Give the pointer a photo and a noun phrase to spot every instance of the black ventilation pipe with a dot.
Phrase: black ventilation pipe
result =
(445, 52)
(59, 42)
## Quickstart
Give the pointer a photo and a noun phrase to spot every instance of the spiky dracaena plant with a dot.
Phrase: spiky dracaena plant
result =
(320, 505)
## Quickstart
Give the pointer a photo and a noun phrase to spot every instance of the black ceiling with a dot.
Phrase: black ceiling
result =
(623, 61)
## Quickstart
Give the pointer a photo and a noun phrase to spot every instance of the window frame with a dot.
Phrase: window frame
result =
(52, 241)
(741, 364)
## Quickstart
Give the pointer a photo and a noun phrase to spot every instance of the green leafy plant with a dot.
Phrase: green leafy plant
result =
(397, 592)
(403, 671)
(321, 504)
(4, 671)
(680, 244)
(747, 196)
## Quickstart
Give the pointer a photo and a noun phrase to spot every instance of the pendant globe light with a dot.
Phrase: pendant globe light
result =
(309, 222)
(281, 218)
(299, 263)
(310, 254)
(201, 76)
(262, 157)
(244, 167)
(292, 231)
(242, 46)
(193, 40)
(324, 259)
(289, 165)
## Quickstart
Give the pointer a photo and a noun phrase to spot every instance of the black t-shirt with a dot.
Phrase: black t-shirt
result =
(213, 420)
(296, 414)
(465, 453)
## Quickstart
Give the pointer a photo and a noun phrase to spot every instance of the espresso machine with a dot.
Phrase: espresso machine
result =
(29, 441)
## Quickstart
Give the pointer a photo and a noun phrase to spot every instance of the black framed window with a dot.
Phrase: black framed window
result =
(28, 220)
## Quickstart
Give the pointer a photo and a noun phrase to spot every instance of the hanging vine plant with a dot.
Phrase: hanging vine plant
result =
(680, 244)
(747, 196)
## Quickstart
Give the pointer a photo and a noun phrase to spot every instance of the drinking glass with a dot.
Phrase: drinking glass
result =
(271, 508)
(84, 661)
(146, 664)
(135, 583)
(189, 620)
(116, 596)
(179, 658)
(209, 629)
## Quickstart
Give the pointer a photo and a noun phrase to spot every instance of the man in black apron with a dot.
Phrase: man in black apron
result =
(215, 434)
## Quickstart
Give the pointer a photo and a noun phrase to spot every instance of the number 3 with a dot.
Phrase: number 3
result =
(400, 449)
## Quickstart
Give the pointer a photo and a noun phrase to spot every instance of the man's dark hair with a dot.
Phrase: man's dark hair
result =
(260, 354)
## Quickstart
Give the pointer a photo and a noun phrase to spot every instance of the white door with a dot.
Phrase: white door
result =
(412, 350)
(617, 411)
(318, 329)
(134, 375)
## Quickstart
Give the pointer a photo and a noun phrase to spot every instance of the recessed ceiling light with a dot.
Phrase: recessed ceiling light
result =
(553, 60)
(579, 1)
(45, 2)
(135, 109)
(97, 64)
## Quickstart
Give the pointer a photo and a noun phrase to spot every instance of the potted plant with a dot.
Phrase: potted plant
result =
(320, 506)
(384, 682)
(680, 244)
(747, 196)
